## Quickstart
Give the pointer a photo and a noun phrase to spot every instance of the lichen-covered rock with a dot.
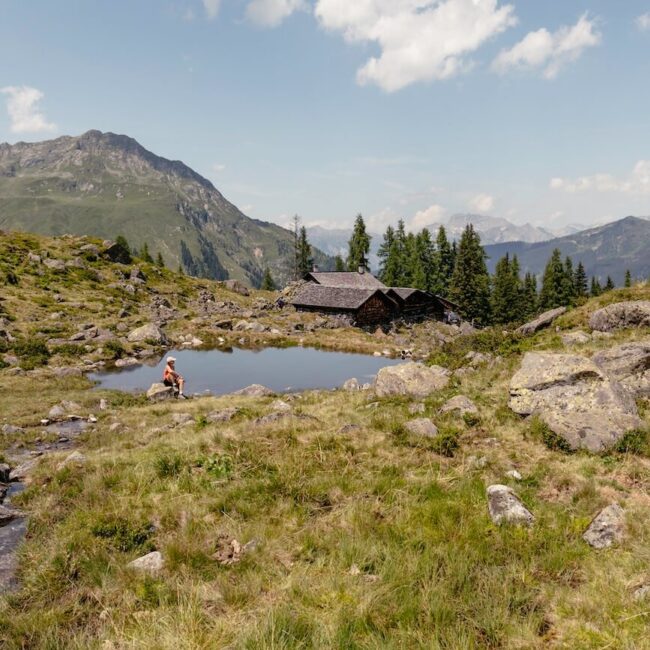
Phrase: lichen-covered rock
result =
(629, 364)
(422, 427)
(460, 404)
(575, 399)
(224, 415)
(254, 390)
(412, 379)
(150, 563)
(506, 507)
(634, 313)
(160, 392)
(237, 287)
(543, 320)
(150, 333)
(606, 528)
(575, 338)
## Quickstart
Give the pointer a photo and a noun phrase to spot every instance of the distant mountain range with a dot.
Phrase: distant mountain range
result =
(606, 250)
(106, 185)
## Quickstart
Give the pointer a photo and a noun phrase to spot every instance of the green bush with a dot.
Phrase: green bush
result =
(634, 442)
(218, 466)
(446, 443)
(69, 350)
(168, 465)
(124, 535)
(114, 349)
(32, 353)
(539, 430)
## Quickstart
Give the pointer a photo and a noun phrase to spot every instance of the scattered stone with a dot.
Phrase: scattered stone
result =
(351, 384)
(127, 362)
(75, 458)
(54, 265)
(150, 333)
(230, 551)
(575, 338)
(9, 514)
(270, 418)
(476, 462)
(629, 364)
(418, 407)
(281, 405)
(410, 378)
(23, 471)
(67, 372)
(10, 429)
(634, 313)
(159, 392)
(641, 593)
(349, 428)
(115, 427)
(422, 427)
(506, 507)
(225, 415)
(575, 399)
(461, 404)
(477, 359)
(514, 474)
(181, 419)
(103, 404)
(542, 321)
(254, 390)
(237, 287)
(150, 563)
(607, 527)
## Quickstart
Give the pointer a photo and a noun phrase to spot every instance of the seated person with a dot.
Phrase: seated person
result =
(172, 378)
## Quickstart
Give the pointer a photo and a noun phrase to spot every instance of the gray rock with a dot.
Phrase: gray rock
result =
(575, 399)
(271, 418)
(461, 404)
(148, 332)
(54, 265)
(412, 379)
(607, 527)
(422, 427)
(634, 313)
(181, 419)
(9, 514)
(506, 507)
(280, 405)
(150, 563)
(514, 474)
(416, 408)
(542, 321)
(10, 429)
(5, 472)
(160, 392)
(57, 411)
(126, 362)
(351, 384)
(641, 593)
(629, 364)
(237, 287)
(75, 458)
(254, 390)
(225, 415)
(24, 470)
(575, 338)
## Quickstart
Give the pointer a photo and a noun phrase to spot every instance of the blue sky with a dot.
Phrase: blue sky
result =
(534, 111)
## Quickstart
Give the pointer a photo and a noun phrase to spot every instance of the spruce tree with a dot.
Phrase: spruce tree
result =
(570, 292)
(160, 261)
(445, 263)
(145, 255)
(426, 251)
(268, 283)
(609, 285)
(384, 254)
(596, 289)
(470, 282)
(339, 264)
(305, 262)
(395, 270)
(628, 278)
(530, 298)
(554, 284)
(358, 246)
(580, 281)
(121, 241)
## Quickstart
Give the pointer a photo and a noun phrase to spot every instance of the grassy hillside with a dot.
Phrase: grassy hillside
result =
(330, 527)
(103, 184)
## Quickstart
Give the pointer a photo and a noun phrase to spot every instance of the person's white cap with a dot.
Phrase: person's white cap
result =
(171, 359)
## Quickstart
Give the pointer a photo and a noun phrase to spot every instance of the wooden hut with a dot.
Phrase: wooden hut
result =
(362, 306)
(346, 280)
(415, 303)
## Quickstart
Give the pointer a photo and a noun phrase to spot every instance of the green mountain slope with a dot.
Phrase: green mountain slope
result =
(104, 184)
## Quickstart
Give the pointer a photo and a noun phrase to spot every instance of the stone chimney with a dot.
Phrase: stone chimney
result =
(362, 269)
(314, 268)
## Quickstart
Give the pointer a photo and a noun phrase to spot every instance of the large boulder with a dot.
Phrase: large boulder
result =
(412, 379)
(543, 320)
(629, 364)
(506, 507)
(150, 563)
(422, 427)
(606, 528)
(254, 390)
(634, 313)
(160, 393)
(150, 333)
(575, 399)
(237, 287)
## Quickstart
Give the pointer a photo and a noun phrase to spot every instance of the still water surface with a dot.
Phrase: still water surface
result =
(281, 369)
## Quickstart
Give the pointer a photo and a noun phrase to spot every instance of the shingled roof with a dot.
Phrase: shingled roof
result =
(346, 280)
(315, 295)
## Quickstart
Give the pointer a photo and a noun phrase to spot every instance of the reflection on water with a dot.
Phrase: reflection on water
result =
(281, 369)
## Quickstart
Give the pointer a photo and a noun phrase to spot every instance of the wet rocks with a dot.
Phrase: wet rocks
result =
(575, 399)
(422, 427)
(607, 527)
(459, 404)
(634, 313)
(412, 379)
(150, 563)
(149, 333)
(542, 321)
(505, 506)
(159, 392)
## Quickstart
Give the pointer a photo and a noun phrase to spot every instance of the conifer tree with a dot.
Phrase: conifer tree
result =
(358, 246)
(305, 262)
(596, 289)
(268, 284)
(554, 284)
(580, 281)
(609, 285)
(384, 254)
(628, 278)
(445, 263)
(145, 255)
(529, 296)
(426, 251)
(160, 262)
(339, 264)
(504, 298)
(395, 271)
(121, 241)
(570, 292)
(470, 282)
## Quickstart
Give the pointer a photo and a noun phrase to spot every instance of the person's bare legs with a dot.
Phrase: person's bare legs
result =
(181, 383)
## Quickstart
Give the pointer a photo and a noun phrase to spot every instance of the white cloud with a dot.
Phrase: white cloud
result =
(420, 40)
(212, 8)
(638, 182)
(643, 22)
(270, 13)
(481, 203)
(549, 50)
(24, 112)
(423, 218)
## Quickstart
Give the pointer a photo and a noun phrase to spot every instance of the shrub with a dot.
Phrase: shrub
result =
(32, 353)
(218, 466)
(114, 349)
(540, 431)
(69, 350)
(168, 465)
(446, 443)
(124, 535)
(634, 442)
